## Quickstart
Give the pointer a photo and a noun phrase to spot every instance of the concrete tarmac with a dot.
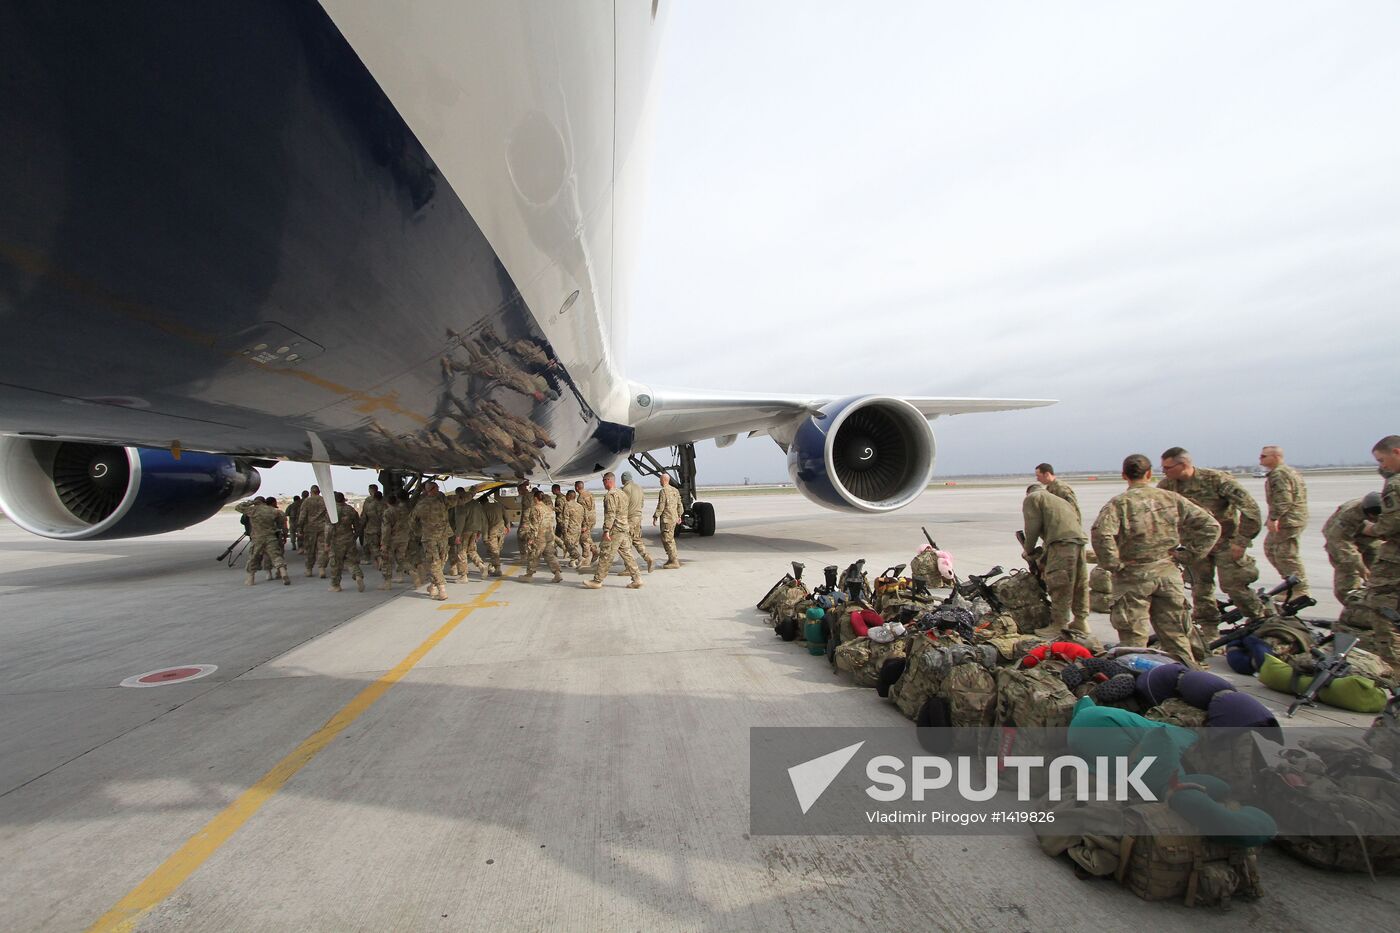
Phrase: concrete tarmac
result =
(556, 758)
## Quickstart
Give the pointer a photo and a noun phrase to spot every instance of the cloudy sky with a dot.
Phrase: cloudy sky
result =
(1182, 220)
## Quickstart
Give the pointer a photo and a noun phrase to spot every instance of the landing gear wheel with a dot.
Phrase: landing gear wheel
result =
(704, 519)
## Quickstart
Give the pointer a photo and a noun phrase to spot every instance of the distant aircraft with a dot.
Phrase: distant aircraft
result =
(385, 235)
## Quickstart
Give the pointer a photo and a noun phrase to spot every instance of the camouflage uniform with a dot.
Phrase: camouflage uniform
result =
(1134, 536)
(1352, 553)
(1238, 515)
(293, 532)
(1287, 498)
(495, 516)
(616, 540)
(636, 500)
(468, 524)
(525, 530)
(393, 544)
(431, 515)
(588, 550)
(1058, 487)
(668, 513)
(1383, 588)
(311, 523)
(542, 540)
(1064, 572)
(264, 521)
(559, 502)
(344, 546)
(573, 520)
(371, 520)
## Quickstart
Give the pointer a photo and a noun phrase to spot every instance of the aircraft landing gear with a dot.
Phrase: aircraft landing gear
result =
(698, 517)
(400, 483)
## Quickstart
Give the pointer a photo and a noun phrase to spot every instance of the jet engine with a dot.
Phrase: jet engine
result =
(78, 491)
(863, 454)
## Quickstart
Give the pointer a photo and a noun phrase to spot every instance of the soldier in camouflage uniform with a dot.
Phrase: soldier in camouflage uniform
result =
(371, 519)
(345, 544)
(668, 513)
(292, 511)
(1240, 522)
(616, 542)
(588, 550)
(1382, 594)
(1135, 536)
(393, 543)
(1064, 571)
(1287, 499)
(542, 539)
(525, 528)
(430, 513)
(636, 501)
(1351, 551)
(311, 522)
(264, 521)
(556, 501)
(1045, 476)
(469, 524)
(573, 519)
(496, 528)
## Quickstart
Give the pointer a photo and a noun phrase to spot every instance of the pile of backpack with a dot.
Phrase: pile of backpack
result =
(969, 658)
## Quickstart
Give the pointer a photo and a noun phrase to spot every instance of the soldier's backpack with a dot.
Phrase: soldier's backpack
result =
(1033, 697)
(1177, 712)
(863, 658)
(927, 665)
(1022, 595)
(971, 692)
(1100, 590)
(770, 599)
(1162, 858)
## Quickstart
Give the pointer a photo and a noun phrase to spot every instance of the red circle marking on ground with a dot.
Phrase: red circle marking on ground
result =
(174, 673)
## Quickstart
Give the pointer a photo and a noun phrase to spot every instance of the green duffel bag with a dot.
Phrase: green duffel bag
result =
(1353, 692)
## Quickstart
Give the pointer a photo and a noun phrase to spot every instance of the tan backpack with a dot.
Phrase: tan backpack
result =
(1023, 596)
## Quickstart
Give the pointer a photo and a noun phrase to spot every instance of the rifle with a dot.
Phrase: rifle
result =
(229, 550)
(1248, 628)
(233, 561)
(977, 585)
(1329, 667)
(1033, 558)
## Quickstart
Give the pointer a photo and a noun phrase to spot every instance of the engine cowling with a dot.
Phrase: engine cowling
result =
(81, 492)
(867, 453)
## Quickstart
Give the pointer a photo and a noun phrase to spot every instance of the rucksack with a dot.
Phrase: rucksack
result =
(927, 665)
(1100, 590)
(863, 658)
(971, 692)
(1022, 595)
(1163, 857)
(1177, 712)
(1033, 697)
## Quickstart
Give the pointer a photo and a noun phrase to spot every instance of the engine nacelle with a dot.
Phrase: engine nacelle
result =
(80, 492)
(866, 454)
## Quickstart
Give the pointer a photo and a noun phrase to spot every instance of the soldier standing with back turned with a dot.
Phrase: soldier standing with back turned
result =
(636, 500)
(430, 515)
(345, 547)
(668, 513)
(311, 519)
(264, 521)
(1238, 514)
(1287, 499)
(497, 526)
(1352, 551)
(588, 551)
(371, 521)
(1135, 536)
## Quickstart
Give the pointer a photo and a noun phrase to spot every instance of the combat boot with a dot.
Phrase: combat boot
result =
(592, 584)
(251, 580)
(651, 564)
(558, 577)
(360, 584)
(671, 565)
(527, 576)
(334, 588)
(323, 573)
(636, 584)
(286, 577)
(441, 592)
(386, 585)
(1050, 632)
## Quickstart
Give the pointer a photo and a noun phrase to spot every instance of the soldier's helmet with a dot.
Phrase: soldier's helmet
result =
(1371, 503)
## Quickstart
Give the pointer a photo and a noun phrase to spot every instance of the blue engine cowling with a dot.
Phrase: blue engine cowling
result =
(867, 453)
(82, 492)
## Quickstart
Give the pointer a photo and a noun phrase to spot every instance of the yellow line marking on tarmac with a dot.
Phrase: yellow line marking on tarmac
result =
(163, 882)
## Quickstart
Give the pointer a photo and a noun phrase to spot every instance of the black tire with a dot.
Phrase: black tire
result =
(704, 514)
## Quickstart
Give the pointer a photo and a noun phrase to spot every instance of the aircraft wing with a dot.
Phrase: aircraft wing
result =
(666, 417)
